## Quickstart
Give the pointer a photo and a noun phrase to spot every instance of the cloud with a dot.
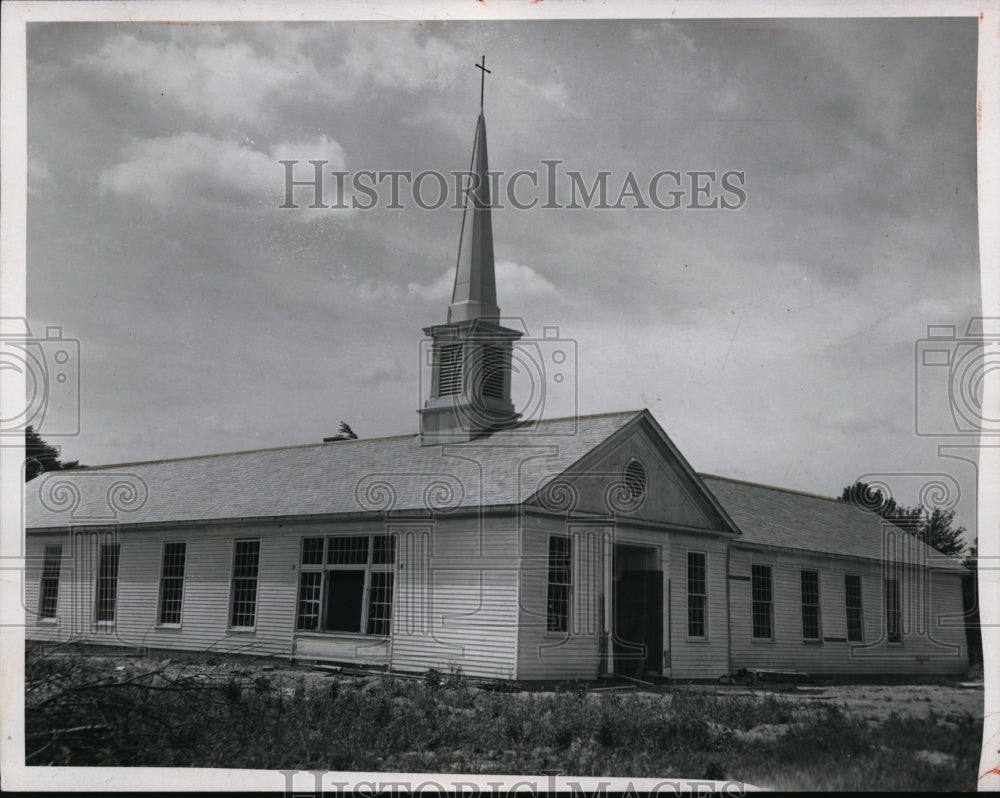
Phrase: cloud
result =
(550, 92)
(667, 32)
(197, 170)
(213, 76)
(206, 75)
(514, 281)
(377, 370)
(39, 174)
(398, 62)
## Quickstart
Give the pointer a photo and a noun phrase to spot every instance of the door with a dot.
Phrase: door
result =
(638, 639)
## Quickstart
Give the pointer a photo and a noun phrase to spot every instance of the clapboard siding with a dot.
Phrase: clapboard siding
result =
(544, 655)
(60, 628)
(706, 658)
(206, 594)
(574, 654)
(933, 634)
(456, 597)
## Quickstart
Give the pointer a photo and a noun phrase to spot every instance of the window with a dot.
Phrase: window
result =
(696, 590)
(380, 603)
(346, 584)
(107, 582)
(246, 568)
(494, 366)
(810, 605)
(172, 582)
(762, 602)
(635, 480)
(310, 592)
(48, 594)
(449, 370)
(893, 611)
(852, 603)
(347, 551)
(560, 581)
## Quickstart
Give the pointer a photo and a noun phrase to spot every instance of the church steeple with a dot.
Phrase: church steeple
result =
(471, 364)
(475, 292)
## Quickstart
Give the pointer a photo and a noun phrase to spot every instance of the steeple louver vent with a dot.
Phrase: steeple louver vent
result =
(494, 366)
(450, 370)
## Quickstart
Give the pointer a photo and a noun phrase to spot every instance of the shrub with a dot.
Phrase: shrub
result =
(82, 710)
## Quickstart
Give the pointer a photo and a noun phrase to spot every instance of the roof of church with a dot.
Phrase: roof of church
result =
(397, 473)
(773, 516)
(368, 474)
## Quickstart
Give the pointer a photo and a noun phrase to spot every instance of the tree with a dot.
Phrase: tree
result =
(934, 527)
(40, 457)
(345, 434)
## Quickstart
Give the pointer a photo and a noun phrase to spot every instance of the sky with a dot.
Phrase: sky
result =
(778, 341)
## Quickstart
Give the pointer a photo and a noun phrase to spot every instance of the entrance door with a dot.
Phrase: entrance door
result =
(638, 635)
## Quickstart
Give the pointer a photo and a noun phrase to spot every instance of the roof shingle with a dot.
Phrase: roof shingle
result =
(778, 517)
(376, 474)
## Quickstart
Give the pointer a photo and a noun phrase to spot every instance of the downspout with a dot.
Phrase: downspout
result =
(517, 592)
(729, 616)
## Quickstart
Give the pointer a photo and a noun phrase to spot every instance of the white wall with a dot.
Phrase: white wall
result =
(933, 633)
(456, 600)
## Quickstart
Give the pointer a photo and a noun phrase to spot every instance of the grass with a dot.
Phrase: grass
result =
(85, 711)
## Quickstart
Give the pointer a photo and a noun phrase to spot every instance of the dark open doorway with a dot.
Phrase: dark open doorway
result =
(638, 603)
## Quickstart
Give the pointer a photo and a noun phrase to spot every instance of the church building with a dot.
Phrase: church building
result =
(490, 541)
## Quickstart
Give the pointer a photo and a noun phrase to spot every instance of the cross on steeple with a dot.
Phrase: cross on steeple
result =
(482, 80)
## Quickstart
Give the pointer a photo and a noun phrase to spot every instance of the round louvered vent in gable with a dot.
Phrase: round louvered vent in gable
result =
(635, 480)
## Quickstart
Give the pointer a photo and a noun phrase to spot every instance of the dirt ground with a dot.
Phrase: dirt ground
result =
(910, 700)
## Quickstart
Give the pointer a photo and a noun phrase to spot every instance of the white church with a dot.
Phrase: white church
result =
(505, 546)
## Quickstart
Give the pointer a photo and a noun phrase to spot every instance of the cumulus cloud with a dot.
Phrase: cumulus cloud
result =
(214, 76)
(208, 76)
(514, 281)
(399, 62)
(519, 281)
(440, 289)
(198, 170)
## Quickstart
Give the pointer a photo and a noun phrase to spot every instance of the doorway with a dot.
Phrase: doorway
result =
(638, 611)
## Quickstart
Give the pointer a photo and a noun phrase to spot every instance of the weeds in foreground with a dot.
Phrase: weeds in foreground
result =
(87, 711)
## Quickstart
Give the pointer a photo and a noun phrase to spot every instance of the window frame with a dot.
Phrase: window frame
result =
(181, 579)
(47, 578)
(818, 606)
(754, 602)
(233, 586)
(103, 582)
(893, 638)
(559, 622)
(377, 561)
(860, 608)
(703, 595)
